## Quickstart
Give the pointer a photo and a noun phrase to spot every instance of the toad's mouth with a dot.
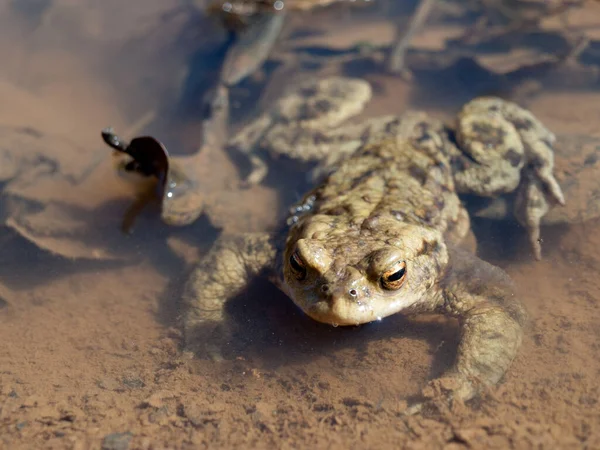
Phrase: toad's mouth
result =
(343, 311)
(340, 312)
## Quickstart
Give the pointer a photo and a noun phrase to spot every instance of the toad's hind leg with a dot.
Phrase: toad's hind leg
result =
(224, 272)
(503, 148)
(302, 125)
(481, 296)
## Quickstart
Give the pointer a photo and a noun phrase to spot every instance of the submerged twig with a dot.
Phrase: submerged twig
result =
(395, 62)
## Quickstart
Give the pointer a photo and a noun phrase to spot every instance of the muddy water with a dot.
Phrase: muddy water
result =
(89, 351)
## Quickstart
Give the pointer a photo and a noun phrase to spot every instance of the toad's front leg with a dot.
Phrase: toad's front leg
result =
(482, 297)
(223, 273)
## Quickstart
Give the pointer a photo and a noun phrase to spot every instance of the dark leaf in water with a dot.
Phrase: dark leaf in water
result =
(150, 157)
(177, 191)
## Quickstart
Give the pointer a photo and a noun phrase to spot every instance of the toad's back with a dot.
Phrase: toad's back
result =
(385, 184)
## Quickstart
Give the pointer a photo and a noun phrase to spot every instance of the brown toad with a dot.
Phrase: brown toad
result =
(494, 148)
(380, 235)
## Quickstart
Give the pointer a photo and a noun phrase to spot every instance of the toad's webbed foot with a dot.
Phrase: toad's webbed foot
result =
(481, 296)
(222, 274)
(503, 148)
(441, 393)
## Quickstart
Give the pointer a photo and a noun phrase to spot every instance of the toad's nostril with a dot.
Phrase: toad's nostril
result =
(325, 288)
(353, 292)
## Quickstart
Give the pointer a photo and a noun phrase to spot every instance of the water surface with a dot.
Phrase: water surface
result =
(90, 351)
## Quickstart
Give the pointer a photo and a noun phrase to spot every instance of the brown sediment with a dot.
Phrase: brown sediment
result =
(90, 355)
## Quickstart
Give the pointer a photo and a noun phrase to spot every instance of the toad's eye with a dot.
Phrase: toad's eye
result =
(297, 266)
(394, 278)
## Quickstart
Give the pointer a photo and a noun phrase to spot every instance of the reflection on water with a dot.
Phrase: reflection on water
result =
(89, 316)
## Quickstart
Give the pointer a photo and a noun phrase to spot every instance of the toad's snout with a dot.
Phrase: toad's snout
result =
(330, 294)
(343, 287)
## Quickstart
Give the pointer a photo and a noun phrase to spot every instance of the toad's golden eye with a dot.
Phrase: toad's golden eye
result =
(297, 266)
(394, 278)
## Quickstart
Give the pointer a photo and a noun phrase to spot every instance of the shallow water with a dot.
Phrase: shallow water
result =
(90, 351)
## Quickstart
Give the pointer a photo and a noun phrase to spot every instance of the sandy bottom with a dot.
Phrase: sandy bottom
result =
(90, 356)
(86, 360)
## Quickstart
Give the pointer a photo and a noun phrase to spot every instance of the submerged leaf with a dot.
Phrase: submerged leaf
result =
(177, 190)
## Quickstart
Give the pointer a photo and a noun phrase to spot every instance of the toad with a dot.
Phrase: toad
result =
(381, 232)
